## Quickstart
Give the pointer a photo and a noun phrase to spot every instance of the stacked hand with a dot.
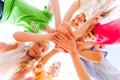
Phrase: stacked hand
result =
(65, 41)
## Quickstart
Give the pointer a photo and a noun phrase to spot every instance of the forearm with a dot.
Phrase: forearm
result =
(86, 27)
(74, 7)
(82, 73)
(29, 37)
(81, 31)
(95, 56)
(54, 4)
(12, 46)
(48, 56)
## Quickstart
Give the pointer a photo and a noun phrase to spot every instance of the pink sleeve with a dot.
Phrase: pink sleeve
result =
(109, 29)
(108, 33)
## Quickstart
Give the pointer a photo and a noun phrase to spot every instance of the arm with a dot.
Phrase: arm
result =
(28, 37)
(7, 47)
(61, 40)
(82, 74)
(74, 7)
(95, 56)
(48, 56)
(89, 51)
(54, 6)
(67, 17)
(86, 27)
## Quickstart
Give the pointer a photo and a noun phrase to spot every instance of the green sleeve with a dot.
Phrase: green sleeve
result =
(22, 14)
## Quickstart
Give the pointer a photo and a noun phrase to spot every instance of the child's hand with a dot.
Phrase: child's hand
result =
(66, 42)
(63, 28)
(50, 36)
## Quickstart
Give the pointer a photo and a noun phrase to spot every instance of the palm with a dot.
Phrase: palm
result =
(66, 42)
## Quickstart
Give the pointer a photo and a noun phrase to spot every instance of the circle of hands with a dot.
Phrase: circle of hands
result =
(62, 36)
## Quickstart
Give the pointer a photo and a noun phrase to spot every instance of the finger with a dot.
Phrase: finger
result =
(35, 49)
(60, 36)
(69, 29)
(57, 43)
(31, 52)
(71, 33)
(69, 36)
(56, 39)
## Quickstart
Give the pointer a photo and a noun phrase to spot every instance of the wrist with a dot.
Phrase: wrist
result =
(74, 54)
(47, 36)
(74, 51)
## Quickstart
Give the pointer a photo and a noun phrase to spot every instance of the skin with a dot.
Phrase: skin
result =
(2, 47)
(32, 37)
(37, 49)
(85, 52)
(78, 20)
(54, 6)
(71, 48)
(94, 56)
(63, 27)
(67, 17)
(74, 7)
(7, 47)
(82, 28)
